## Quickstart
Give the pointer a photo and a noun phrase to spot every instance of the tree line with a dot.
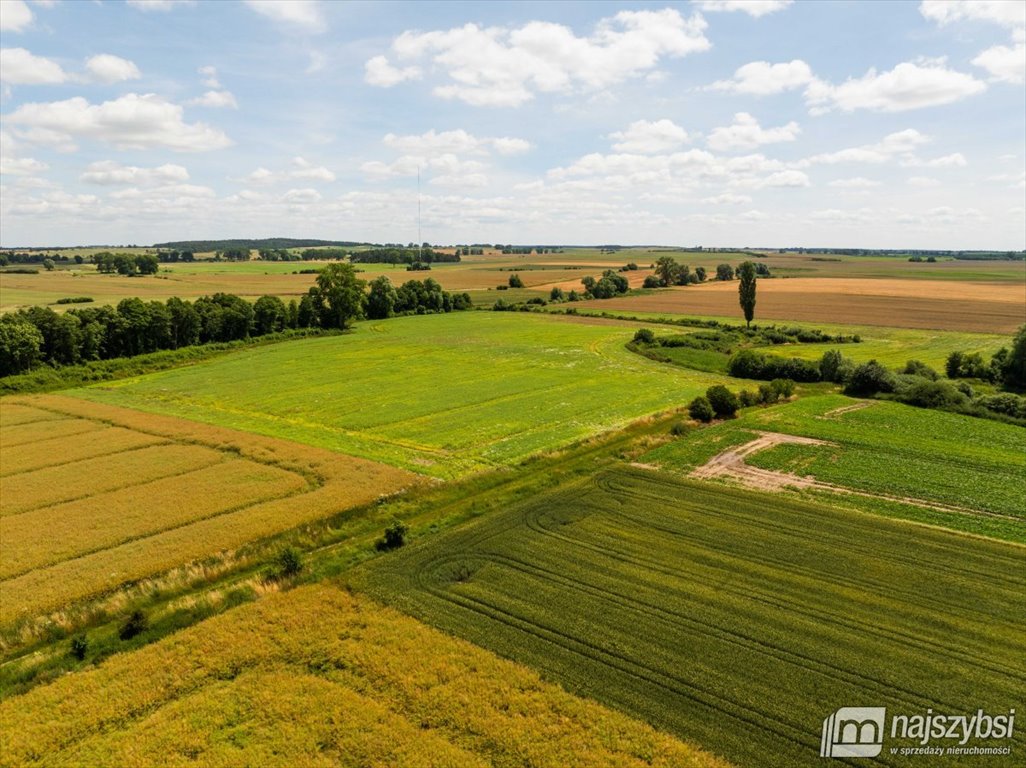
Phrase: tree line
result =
(39, 335)
(408, 255)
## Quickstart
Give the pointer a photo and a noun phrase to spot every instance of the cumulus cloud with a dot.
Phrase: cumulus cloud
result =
(303, 15)
(503, 66)
(15, 17)
(132, 121)
(216, 100)
(645, 137)
(447, 166)
(910, 85)
(746, 133)
(107, 69)
(1008, 13)
(727, 198)
(111, 172)
(754, 8)
(760, 78)
(302, 169)
(301, 196)
(379, 72)
(209, 76)
(11, 161)
(954, 160)
(857, 182)
(160, 5)
(892, 145)
(1004, 63)
(20, 67)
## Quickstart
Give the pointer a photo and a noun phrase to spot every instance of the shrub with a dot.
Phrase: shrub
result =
(830, 365)
(933, 394)
(870, 378)
(1005, 403)
(136, 624)
(289, 562)
(556, 294)
(651, 281)
(747, 398)
(768, 394)
(917, 368)
(700, 409)
(395, 536)
(79, 647)
(515, 281)
(722, 400)
(783, 387)
(748, 364)
(680, 428)
(645, 336)
(75, 300)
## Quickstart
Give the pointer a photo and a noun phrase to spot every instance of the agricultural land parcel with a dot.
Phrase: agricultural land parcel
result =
(441, 394)
(885, 449)
(734, 619)
(93, 496)
(317, 677)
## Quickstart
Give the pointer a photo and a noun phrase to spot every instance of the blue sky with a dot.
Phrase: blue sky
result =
(716, 122)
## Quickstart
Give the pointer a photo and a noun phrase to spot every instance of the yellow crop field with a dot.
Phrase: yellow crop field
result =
(319, 677)
(144, 494)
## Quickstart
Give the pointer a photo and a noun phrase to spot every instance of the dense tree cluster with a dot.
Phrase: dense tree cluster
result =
(232, 254)
(126, 263)
(278, 254)
(606, 287)
(174, 256)
(39, 335)
(400, 255)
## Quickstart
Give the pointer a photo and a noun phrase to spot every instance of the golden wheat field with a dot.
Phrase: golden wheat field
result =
(319, 677)
(124, 495)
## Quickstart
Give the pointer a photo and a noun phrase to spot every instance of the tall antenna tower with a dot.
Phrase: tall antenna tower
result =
(420, 240)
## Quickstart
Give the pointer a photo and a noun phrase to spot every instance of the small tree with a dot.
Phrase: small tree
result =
(746, 291)
(783, 387)
(136, 624)
(768, 394)
(651, 281)
(1013, 366)
(953, 365)
(830, 365)
(645, 336)
(79, 647)
(724, 403)
(870, 378)
(395, 536)
(48, 265)
(700, 409)
(700, 274)
(556, 294)
(724, 272)
(382, 298)
(289, 562)
(515, 281)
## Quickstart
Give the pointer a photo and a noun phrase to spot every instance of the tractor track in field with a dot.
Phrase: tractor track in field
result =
(731, 465)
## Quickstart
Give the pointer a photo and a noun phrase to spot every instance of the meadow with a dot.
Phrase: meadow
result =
(729, 618)
(884, 448)
(126, 495)
(320, 677)
(442, 395)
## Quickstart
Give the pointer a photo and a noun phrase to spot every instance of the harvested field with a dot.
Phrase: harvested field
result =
(317, 677)
(151, 493)
(955, 306)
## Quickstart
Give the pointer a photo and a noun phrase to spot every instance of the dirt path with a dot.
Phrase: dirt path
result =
(846, 409)
(731, 464)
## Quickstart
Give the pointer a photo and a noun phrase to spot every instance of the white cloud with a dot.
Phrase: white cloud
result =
(160, 5)
(761, 78)
(260, 176)
(20, 67)
(782, 179)
(891, 146)
(301, 196)
(922, 181)
(954, 160)
(457, 142)
(303, 15)
(1008, 13)
(857, 182)
(727, 198)
(446, 165)
(379, 72)
(1004, 63)
(110, 172)
(216, 100)
(107, 68)
(209, 76)
(15, 16)
(645, 137)
(501, 66)
(307, 170)
(746, 133)
(910, 85)
(754, 8)
(132, 121)
(754, 216)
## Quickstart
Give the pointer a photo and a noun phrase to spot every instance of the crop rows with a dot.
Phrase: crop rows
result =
(152, 494)
(319, 677)
(736, 620)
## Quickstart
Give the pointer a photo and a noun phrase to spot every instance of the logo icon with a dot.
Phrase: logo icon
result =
(853, 732)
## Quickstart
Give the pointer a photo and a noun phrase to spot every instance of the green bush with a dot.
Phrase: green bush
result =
(870, 378)
(79, 647)
(645, 336)
(134, 625)
(783, 387)
(700, 409)
(724, 403)
(395, 536)
(679, 429)
(289, 562)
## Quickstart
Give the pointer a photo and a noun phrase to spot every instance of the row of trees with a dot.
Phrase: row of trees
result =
(126, 263)
(40, 335)
(397, 255)
(668, 271)
(606, 287)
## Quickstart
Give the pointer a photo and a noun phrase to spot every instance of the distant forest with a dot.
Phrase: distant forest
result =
(200, 246)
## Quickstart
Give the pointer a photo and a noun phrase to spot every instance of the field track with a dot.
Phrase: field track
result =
(126, 495)
(732, 619)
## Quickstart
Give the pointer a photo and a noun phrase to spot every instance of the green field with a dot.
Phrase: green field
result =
(885, 448)
(442, 394)
(733, 619)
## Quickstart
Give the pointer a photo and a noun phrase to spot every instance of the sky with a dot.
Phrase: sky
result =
(714, 122)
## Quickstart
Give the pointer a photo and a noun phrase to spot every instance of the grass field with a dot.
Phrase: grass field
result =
(901, 303)
(441, 394)
(884, 448)
(318, 677)
(137, 494)
(732, 619)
